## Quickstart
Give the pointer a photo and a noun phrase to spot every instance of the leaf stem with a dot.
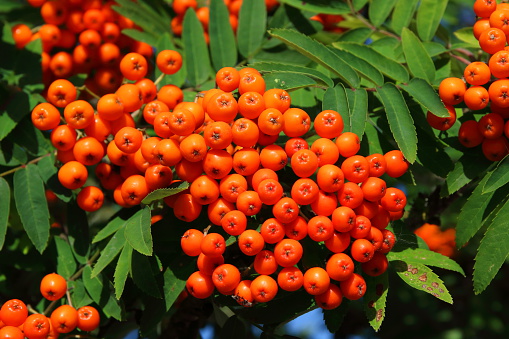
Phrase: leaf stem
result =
(33, 161)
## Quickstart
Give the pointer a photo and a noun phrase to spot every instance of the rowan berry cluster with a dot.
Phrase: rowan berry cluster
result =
(488, 86)
(84, 37)
(16, 323)
(443, 242)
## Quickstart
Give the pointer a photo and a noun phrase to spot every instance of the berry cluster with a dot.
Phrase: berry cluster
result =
(16, 323)
(488, 86)
(443, 242)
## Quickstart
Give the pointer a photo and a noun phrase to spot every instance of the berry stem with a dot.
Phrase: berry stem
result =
(33, 161)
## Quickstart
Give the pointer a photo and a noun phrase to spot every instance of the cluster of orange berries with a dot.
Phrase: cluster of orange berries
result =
(81, 36)
(16, 323)
(488, 86)
(443, 242)
(203, 13)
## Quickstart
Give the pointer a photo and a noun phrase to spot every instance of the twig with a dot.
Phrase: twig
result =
(33, 161)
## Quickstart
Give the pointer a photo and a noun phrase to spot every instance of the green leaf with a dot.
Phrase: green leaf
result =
(113, 307)
(138, 233)
(164, 192)
(30, 138)
(66, 265)
(223, 48)
(318, 53)
(111, 227)
(422, 278)
(365, 69)
(78, 232)
(422, 92)
(234, 327)
(375, 299)
(175, 277)
(5, 207)
(400, 120)
(177, 79)
(288, 80)
(359, 4)
(425, 257)
(99, 290)
(32, 205)
(429, 15)
(11, 154)
(471, 215)
(379, 10)
(196, 54)
(359, 35)
(143, 274)
(122, 270)
(498, 177)
(49, 174)
(251, 28)
(319, 6)
(17, 106)
(387, 66)
(79, 295)
(417, 58)
(145, 36)
(403, 14)
(358, 106)
(335, 99)
(143, 15)
(268, 67)
(334, 318)
(93, 285)
(466, 34)
(493, 250)
(109, 252)
(434, 49)
(431, 154)
(467, 168)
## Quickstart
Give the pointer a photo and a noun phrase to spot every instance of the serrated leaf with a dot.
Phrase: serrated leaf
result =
(79, 295)
(365, 69)
(113, 308)
(400, 120)
(93, 285)
(143, 15)
(422, 92)
(379, 10)
(109, 252)
(268, 67)
(403, 14)
(138, 233)
(122, 270)
(223, 47)
(498, 177)
(144, 36)
(49, 174)
(175, 277)
(78, 232)
(162, 193)
(335, 99)
(467, 168)
(375, 299)
(493, 250)
(66, 265)
(359, 35)
(319, 6)
(389, 67)
(196, 54)
(422, 278)
(5, 207)
(466, 34)
(288, 80)
(418, 60)
(318, 53)
(32, 206)
(333, 319)
(112, 226)
(429, 15)
(251, 27)
(143, 275)
(358, 107)
(17, 106)
(426, 257)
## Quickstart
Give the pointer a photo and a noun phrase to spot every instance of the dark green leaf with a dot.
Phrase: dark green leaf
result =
(389, 67)
(16, 108)
(467, 168)
(429, 15)
(422, 92)
(145, 36)
(122, 270)
(143, 274)
(93, 285)
(379, 10)
(431, 154)
(268, 67)
(114, 225)
(78, 235)
(403, 14)
(138, 233)
(251, 28)
(335, 99)
(334, 318)
(418, 60)
(11, 154)
(32, 205)
(151, 316)
(493, 250)
(319, 6)
(365, 69)
(375, 299)
(5, 206)
(175, 278)
(223, 48)
(422, 278)
(288, 80)
(109, 252)
(164, 192)
(358, 106)
(400, 120)
(99, 290)
(318, 53)
(498, 177)
(66, 265)
(30, 138)
(49, 174)
(79, 295)
(196, 53)
(359, 35)
(113, 308)
(234, 327)
(143, 15)
(425, 257)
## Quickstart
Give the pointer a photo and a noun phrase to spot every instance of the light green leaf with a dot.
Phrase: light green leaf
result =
(223, 47)
(359, 4)
(93, 285)
(493, 250)
(335, 99)
(400, 120)
(365, 69)
(196, 54)
(5, 207)
(375, 299)
(251, 28)
(358, 106)
(379, 10)
(138, 233)
(428, 17)
(66, 265)
(318, 53)
(268, 67)
(32, 205)
(326, 7)
(425, 257)
(109, 252)
(143, 275)
(288, 80)
(403, 14)
(434, 49)
(422, 278)
(162, 193)
(422, 92)
(387, 66)
(467, 168)
(418, 60)
(122, 270)
(498, 177)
